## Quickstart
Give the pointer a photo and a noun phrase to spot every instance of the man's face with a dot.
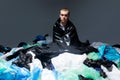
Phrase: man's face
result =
(64, 15)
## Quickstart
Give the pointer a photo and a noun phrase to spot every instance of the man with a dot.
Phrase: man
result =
(64, 31)
(65, 34)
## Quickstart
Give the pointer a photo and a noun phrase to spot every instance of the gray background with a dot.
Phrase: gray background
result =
(23, 20)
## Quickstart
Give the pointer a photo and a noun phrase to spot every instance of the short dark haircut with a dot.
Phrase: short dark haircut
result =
(65, 9)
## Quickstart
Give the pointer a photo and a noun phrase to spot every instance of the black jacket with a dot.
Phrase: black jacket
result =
(59, 34)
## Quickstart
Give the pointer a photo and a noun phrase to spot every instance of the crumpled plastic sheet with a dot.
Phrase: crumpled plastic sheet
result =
(110, 53)
(13, 72)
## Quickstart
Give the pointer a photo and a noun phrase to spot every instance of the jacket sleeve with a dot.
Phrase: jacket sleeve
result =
(56, 34)
(72, 32)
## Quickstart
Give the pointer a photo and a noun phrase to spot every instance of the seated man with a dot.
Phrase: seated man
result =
(64, 30)
(65, 34)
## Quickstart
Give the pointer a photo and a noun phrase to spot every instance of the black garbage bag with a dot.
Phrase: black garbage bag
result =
(23, 59)
(4, 49)
(83, 78)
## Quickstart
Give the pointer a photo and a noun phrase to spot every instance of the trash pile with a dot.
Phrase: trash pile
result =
(44, 60)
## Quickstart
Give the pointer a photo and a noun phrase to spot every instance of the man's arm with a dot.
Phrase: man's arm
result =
(56, 35)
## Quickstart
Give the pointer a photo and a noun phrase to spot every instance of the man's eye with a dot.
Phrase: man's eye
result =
(64, 15)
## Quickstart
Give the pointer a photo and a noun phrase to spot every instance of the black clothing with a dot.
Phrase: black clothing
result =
(76, 46)
(59, 34)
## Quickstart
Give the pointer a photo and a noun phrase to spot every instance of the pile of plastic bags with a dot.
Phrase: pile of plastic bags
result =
(35, 61)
